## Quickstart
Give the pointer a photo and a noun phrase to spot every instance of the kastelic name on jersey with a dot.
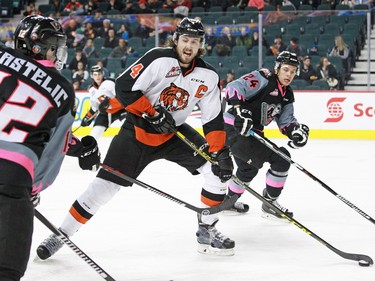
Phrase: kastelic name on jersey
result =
(34, 73)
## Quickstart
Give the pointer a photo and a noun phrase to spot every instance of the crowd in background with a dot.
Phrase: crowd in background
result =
(116, 37)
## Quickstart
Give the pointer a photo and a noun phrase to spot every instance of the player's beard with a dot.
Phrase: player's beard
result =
(184, 59)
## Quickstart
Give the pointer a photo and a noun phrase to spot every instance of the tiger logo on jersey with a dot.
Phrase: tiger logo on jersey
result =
(174, 98)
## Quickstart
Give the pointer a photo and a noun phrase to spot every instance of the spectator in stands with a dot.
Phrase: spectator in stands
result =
(90, 7)
(327, 71)
(9, 40)
(31, 9)
(295, 47)
(89, 31)
(168, 5)
(313, 50)
(115, 5)
(124, 32)
(276, 3)
(245, 39)
(210, 40)
(143, 30)
(129, 8)
(105, 70)
(229, 78)
(103, 30)
(225, 42)
(121, 51)
(74, 7)
(255, 36)
(143, 8)
(56, 4)
(277, 47)
(259, 4)
(181, 7)
(81, 73)
(111, 40)
(79, 57)
(154, 5)
(98, 16)
(341, 50)
(89, 49)
(74, 37)
(307, 71)
(76, 84)
(350, 3)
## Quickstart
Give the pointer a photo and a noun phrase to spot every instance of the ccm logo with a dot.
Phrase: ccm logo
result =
(361, 110)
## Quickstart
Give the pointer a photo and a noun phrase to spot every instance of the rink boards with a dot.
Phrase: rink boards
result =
(329, 114)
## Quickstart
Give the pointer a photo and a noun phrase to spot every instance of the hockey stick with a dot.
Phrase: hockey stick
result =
(91, 118)
(274, 148)
(227, 204)
(363, 260)
(72, 246)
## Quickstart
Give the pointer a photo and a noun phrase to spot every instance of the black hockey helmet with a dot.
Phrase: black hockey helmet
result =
(191, 27)
(286, 57)
(36, 36)
(96, 68)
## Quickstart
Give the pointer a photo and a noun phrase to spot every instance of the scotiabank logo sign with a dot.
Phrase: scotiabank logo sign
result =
(362, 110)
(335, 110)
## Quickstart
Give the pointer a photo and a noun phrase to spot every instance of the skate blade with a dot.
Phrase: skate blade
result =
(37, 259)
(273, 218)
(208, 250)
(233, 213)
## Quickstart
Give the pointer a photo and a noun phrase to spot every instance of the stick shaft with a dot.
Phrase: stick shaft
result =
(204, 211)
(302, 169)
(73, 246)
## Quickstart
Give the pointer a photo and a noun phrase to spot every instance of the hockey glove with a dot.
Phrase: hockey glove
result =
(243, 121)
(104, 105)
(90, 155)
(224, 167)
(163, 122)
(90, 116)
(298, 135)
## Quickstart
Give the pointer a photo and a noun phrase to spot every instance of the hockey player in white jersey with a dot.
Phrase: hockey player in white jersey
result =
(105, 107)
(159, 91)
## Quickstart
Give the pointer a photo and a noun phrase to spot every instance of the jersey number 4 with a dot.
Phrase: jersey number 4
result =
(16, 110)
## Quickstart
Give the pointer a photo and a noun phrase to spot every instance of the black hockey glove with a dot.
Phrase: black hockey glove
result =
(90, 116)
(90, 155)
(104, 105)
(163, 123)
(224, 167)
(243, 121)
(298, 135)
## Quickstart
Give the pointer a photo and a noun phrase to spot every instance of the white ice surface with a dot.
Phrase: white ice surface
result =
(139, 235)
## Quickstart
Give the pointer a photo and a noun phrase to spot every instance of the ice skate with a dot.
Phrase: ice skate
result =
(49, 247)
(213, 242)
(270, 213)
(237, 208)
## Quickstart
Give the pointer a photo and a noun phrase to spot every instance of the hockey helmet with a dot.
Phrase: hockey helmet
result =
(286, 57)
(96, 68)
(191, 27)
(37, 36)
